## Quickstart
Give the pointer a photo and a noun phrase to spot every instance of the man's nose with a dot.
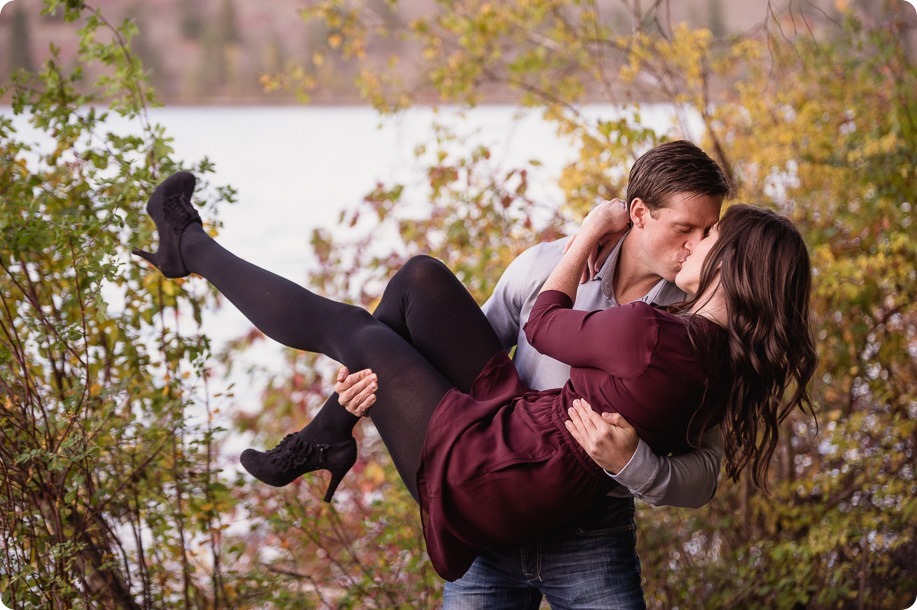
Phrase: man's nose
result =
(692, 241)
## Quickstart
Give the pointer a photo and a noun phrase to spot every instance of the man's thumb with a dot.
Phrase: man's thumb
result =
(612, 418)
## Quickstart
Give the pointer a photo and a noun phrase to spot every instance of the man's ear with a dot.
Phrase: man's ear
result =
(639, 213)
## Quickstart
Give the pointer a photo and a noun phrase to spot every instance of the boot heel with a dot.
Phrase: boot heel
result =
(294, 457)
(336, 477)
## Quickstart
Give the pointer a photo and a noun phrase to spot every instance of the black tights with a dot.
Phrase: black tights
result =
(428, 336)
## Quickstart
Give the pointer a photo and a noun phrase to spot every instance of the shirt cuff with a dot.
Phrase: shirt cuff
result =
(640, 471)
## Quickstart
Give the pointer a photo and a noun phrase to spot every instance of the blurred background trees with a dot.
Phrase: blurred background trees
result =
(107, 439)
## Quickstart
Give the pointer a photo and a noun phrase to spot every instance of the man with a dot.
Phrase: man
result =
(674, 196)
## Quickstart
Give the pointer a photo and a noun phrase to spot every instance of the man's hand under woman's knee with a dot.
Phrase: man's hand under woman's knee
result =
(356, 391)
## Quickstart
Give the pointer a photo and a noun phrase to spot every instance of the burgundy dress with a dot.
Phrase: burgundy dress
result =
(499, 466)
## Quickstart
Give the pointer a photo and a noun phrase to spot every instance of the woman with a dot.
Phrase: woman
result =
(474, 446)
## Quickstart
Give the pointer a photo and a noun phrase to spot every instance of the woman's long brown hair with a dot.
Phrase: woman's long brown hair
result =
(763, 268)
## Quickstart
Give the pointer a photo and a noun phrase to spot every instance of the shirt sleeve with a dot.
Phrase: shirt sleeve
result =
(688, 480)
(583, 338)
(504, 307)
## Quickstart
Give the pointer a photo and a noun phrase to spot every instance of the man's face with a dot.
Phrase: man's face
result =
(688, 279)
(668, 234)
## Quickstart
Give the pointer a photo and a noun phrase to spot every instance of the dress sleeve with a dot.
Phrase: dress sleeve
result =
(619, 340)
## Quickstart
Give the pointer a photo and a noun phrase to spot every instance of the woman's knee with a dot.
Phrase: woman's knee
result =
(350, 318)
(423, 271)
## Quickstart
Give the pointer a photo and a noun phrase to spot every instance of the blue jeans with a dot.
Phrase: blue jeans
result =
(591, 564)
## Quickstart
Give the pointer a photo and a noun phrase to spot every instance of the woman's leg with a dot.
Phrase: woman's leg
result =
(421, 303)
(430, 309)
(409, 387)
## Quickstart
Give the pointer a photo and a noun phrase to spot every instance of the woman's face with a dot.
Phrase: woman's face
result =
(688, 279)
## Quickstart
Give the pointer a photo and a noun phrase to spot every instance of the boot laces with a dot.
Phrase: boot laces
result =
(294, 452)
(179, 213)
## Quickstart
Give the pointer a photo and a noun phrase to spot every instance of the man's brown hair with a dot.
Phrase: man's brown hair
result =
(675, 167)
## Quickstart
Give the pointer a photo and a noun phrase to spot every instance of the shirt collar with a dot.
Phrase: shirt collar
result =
(607, 273)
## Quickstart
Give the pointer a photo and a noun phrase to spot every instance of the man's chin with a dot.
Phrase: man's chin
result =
(671, 275)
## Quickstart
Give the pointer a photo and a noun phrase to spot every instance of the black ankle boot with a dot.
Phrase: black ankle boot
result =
(170, 208)
(294, 457)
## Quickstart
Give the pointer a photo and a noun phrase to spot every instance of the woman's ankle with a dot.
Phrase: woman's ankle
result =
(329, 430)
(193, 241)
